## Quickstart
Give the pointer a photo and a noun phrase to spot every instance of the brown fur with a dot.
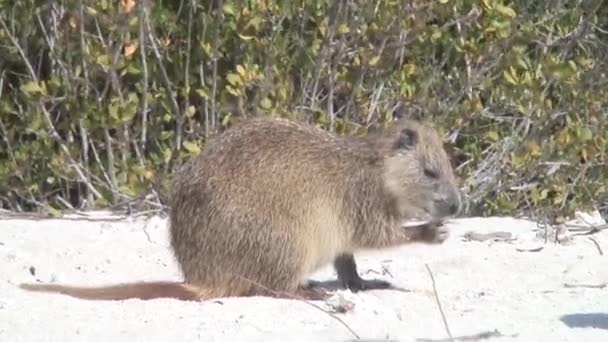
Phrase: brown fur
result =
(270, 201)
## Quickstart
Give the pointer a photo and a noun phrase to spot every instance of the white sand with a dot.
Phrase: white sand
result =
(483, 286)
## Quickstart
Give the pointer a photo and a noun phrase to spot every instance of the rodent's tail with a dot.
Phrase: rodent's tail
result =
(139, 290)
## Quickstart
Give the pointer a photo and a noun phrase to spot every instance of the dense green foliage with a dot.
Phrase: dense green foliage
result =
(101, 99)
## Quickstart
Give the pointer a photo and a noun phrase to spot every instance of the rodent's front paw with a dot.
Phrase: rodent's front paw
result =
(443, 233)
(436, 233)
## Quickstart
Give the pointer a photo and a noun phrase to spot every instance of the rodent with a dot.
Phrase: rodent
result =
(270, 201)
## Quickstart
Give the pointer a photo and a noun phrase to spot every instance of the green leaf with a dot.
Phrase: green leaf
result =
(492, 135)
(342, 29)
(113, 111)
(374, 60)
(202, 93)
(265, 103)
(191, 147)
(585, 134)
(190, 111)
(226, 120)
(507, 75)
(233, 79)
(228, 9)
(505, 11)
(53, 212)
(32, 87)
(103, 60)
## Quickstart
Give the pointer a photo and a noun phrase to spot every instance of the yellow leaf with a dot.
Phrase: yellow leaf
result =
(240, 70)
(343, 29)
(245, 38)
(505, 10)
(128, 5)
(131, 48)
(584, 155)
(486, 4)
(90, 10)
(149, 174)
(73, 22)
(374, 60)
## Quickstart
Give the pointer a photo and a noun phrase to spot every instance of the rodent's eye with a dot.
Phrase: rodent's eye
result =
(431, 173)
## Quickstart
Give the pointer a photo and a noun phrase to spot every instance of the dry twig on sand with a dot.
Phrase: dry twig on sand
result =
(445, 322)
(304, 300)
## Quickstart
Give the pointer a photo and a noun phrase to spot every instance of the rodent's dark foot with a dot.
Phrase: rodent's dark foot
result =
(360, 284)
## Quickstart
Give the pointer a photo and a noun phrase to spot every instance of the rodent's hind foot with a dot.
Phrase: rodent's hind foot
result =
(313, 293)
(303, 292)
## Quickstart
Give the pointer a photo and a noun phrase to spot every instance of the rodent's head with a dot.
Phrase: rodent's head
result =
(417, 171)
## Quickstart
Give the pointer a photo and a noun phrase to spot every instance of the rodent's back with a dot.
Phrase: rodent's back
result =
(277, 160)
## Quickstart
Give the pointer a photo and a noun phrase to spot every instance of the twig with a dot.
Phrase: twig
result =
(294, 296)
(597, 245)
(476, 337)
(164, 76)
(590, 286)
(584, 228)
(144, 64)
(590, 229)
(445, 322)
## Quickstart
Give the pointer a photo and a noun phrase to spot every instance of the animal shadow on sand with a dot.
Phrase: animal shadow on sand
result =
(586, 320)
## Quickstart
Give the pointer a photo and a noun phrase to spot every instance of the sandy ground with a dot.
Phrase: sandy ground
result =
(522, 289)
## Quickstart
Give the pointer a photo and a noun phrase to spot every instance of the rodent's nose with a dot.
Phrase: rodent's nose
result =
(453, 209)
(456, 204)
(449, 206)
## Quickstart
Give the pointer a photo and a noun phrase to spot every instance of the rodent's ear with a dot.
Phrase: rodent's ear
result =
(408, 138)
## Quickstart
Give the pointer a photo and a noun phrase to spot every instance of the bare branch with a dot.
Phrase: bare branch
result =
(445, 322)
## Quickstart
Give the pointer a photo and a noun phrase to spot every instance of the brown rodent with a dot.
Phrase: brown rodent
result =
(270, 201)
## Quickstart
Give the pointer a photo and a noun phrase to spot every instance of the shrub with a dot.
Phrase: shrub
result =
(100, 100)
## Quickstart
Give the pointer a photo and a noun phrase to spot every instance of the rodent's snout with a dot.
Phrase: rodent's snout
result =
(447, 205)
